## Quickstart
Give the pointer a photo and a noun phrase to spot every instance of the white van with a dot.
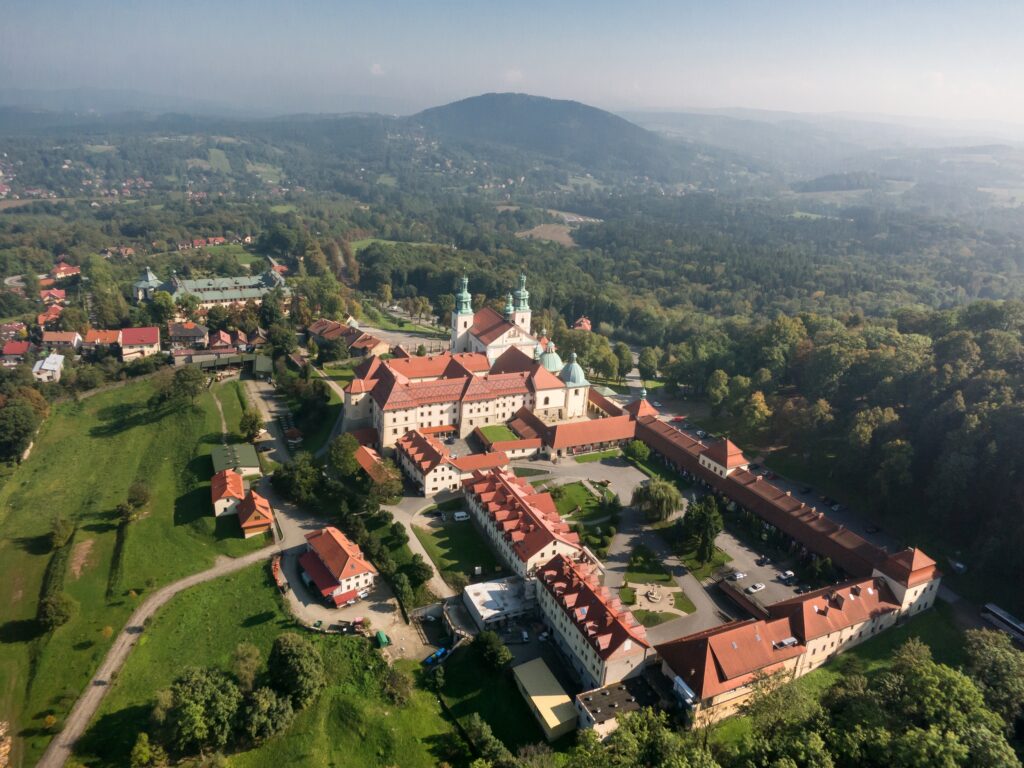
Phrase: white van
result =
(460, 516)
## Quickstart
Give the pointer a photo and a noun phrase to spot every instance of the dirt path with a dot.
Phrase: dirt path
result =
(89, 702)
(223, 421)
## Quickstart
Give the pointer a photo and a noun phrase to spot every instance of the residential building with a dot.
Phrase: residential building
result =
(188, 335)
(426, 461)
(62, 271)
(53, 296)
(50, 316)
(370, 462)
(13, 331)
(336, 567)
(49, 369)
(582, 324)
(139, 342)
(14, 352)
(356, 342)
(522, 525)
(600, 636)
(61, 340)
(226, 490)
(241, 457)
(255, 515)
(488, 332)
(147, 285)
(713, 672)
(495, 603)
(96, 338)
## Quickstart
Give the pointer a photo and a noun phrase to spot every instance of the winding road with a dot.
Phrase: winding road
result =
(88, 703)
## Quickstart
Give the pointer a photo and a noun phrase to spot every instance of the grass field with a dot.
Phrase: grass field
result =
(700, 570)
(653, 618)
(470, 686)
(457, 547)
(575, 495)
(218, 160)
(529, 472)
(653, 468)
(644, 568)
(339, 374)
(85, 457)
(590, 458)
(498, 432)
(231, 399)
(350, 724)
(682, 602)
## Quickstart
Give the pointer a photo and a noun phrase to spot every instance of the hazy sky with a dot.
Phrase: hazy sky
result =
(962, 60)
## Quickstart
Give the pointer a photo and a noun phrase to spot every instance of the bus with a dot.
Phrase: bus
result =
(1000, 619)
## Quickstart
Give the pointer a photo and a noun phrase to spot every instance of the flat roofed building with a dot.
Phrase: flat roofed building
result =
(546, 698)
(241, 457)
(599, 710)
(498, 601)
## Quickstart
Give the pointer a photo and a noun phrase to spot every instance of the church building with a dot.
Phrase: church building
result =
(487, 331)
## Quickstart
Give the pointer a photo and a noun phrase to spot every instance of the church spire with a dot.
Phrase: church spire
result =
(522, 296)
(463, 300)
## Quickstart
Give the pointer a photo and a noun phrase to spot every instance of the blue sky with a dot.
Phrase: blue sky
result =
(937, 59)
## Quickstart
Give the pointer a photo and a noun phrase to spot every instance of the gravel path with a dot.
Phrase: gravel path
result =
(89, 702)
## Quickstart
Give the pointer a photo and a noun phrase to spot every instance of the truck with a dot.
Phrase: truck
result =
(435, 657)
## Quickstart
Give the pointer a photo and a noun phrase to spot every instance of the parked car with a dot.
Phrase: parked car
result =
(787, 577)
(736, 576)
(656, 404)
(679, 419)
(754, 588)
(460, 516)
(450, 441)
(764, 560)
(701, 434)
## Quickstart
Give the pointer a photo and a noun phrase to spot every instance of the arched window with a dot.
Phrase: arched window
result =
(547, 400)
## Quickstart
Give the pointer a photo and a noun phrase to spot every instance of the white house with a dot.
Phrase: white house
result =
(49, 368)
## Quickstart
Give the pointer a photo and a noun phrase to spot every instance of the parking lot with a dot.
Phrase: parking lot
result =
(745, 559)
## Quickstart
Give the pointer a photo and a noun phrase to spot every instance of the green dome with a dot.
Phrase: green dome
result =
(572, 374)
(550, 359)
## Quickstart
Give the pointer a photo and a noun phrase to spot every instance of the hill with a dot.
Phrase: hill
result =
(566, 130)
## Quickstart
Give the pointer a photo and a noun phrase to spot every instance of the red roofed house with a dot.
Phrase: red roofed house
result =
(589, 624)
(14, 352)
(96, 338)
(61, 340)
(51, 315)
(723, 458)
(370, 462)
(226, 490)
(426, 461)
(53, 296)
(582, 324)
(335, 567)
(255, 515)
(139, 342)
(63, 271)
(523, 526)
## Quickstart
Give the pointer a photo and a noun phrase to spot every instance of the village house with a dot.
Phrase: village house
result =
(53, 296)
(49, 369)
(139, 342)
(211, 291)
(13, 353)
(13, 331)
(356, 342)
(521, 525)
(62, 271)
(187, 335)
(255, 515)
(336, 567)
(61, 340)
(96, 338)
(226, 490)
(50, 316)
(582, 324)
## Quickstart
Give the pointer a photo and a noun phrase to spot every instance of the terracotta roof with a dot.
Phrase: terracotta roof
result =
(528, 520)
(61, 337)
(910, 567)
(513, 360)
(541, 378)
(227, 484)
(605, 624)
(64, 270)
(425, 451)
(490, 386)
(327, 329)
(147, 336)
(98, 336)
(582, 324)
(52, 312)
(727, 657)
(591, 432)
(831, 609)
(317, 571)
(727, 454)
(366, 436)
(371, 464)
(254, 511)
(435, 366)
(58, 294)
(528, 426)
(479, 461)
(15, 348)
(488, 325)
(341, 557)
(640, 408)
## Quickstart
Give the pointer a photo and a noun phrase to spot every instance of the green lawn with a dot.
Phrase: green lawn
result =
(588, 458)
(645, 567)
(85, 457)
(576, 495)
(471, 686)
(529, 472)
(316, 428)
(627, 595)
(457, 547)
(682, 602)
(340, 374)
(701, 570)
(653, 618)
(613, 384)
(232, 400)
(654, 468)
(350, 724)
(498, 432)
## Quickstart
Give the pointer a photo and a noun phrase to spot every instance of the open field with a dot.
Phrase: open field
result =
(358, 245)
(349, 724)
(589, 458)
(218, 160)
(573, 496)
(555, 233)
(457, 547)
(339, 374)
(86, 456)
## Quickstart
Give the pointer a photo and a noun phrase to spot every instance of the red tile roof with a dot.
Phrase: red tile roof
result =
(480, 461)
(97, 336)
(341, 557)
(576, 434)
(254, 511)
(582, 324)
(55, 294)
(488, 325)
(53, 312)
(727, 454)
(910, 567)
(63, 270)
(371, 464)
(227, 484)
(640, 408)
(607, 625)
(425, 451)
(61, 337)
(16, 348)
(146, 336)
(831, 609)
(513, 360)
(528, 520)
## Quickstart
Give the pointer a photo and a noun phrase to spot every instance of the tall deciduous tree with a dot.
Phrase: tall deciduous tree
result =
(657, 499)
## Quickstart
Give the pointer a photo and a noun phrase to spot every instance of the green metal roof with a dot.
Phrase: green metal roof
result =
(572, 374)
